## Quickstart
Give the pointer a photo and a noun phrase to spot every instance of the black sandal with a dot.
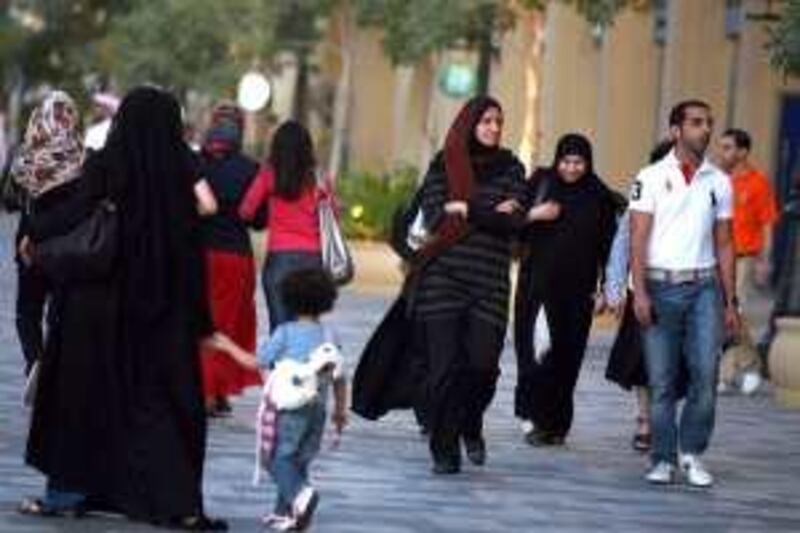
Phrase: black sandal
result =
(36, 507)
(642, 442)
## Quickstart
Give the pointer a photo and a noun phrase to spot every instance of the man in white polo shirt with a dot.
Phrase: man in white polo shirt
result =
(683, 269)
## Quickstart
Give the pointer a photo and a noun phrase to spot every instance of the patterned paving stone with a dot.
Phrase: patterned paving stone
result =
(379, 480)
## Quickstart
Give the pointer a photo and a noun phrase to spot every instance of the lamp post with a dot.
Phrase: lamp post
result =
(253, 94)
(784, 357)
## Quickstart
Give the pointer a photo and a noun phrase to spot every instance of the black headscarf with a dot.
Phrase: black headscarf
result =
(574, 144)
(153, 172)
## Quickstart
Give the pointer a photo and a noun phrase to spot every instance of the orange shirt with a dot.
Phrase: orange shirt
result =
(753, 208)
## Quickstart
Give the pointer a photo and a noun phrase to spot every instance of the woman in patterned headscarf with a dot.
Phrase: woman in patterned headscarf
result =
(50, 155)
(45, 167)
(52, 152)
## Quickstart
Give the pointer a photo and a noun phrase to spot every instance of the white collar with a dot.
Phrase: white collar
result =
(706, 166)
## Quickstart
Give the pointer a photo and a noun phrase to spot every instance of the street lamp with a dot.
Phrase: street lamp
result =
(784, 357)
(253, 94)
(254, 91)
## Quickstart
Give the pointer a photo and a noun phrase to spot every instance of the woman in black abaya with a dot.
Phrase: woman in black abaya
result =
(139, 355)
(560, 274)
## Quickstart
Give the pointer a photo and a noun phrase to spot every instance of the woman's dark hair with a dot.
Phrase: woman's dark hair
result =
(291, 157)
(308, 291)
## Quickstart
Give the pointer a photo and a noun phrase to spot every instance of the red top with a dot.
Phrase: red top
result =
(293, 224)
(754, 209)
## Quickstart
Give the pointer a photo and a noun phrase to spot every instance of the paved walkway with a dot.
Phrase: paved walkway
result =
(379, 480)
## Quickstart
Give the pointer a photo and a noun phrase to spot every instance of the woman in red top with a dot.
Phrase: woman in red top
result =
(288, 184)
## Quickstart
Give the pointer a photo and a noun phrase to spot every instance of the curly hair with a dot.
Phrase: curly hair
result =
(309, 291)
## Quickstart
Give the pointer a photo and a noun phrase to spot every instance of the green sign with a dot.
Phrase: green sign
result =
(458, 80)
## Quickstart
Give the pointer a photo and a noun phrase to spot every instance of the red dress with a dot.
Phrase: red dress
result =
(231, 282)
(230, 275)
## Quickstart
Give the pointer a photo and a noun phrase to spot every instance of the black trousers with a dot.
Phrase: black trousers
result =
(544, 391)
(32, 294)
(463, 354)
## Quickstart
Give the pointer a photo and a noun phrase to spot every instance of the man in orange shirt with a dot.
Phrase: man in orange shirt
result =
(754, 211)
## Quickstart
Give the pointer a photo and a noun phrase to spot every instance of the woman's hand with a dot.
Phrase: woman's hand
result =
(25, 251)
(508, 207)
(600, 304)
(206, 201)
(549, 210)
(617, 308)
(457, 207)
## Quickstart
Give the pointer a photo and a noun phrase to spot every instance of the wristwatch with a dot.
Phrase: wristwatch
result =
(733, 302)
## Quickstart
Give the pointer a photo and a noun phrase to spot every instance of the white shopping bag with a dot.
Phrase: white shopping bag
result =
(541, 336)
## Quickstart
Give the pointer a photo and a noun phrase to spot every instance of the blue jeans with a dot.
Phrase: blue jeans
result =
(58, 499)
(687, 323)
(299, 436)
(276, 267)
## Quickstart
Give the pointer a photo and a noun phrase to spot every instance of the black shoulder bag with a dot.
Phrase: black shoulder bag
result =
(84, 253)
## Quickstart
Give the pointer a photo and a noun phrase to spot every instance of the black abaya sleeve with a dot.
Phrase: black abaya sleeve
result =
(483, 210)
(204, 324)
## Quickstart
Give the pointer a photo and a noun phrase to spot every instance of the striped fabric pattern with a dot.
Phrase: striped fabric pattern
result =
(474, 273)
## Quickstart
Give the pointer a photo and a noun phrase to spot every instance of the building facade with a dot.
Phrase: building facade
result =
(555, 74)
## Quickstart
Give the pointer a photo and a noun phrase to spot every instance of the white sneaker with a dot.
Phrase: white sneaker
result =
(751, 381)
(304, 505)
(694, 473)
(662, 473)
(526, 426)
(278, 522)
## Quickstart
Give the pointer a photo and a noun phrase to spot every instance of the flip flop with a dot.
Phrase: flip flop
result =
(36, 507)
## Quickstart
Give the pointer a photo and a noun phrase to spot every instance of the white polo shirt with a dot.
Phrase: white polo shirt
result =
(682, 235)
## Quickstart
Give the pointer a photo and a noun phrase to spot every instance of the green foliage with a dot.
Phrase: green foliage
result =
(369, 202)
(200, 44)
(413, 29)
(599, 12)
(300, 23)
(55, 41)
(784, 43)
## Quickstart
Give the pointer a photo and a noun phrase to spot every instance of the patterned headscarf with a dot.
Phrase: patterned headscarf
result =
(224, 136)
(52, 152)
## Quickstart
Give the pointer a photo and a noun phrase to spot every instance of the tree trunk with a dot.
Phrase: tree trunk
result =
(15, 94)
(404, 80)
(300, 104)
(430, 138)
(486, 50)
(530, 142)
(343, 96)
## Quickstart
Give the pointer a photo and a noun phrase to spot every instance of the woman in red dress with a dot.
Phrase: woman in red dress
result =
(229, 258)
